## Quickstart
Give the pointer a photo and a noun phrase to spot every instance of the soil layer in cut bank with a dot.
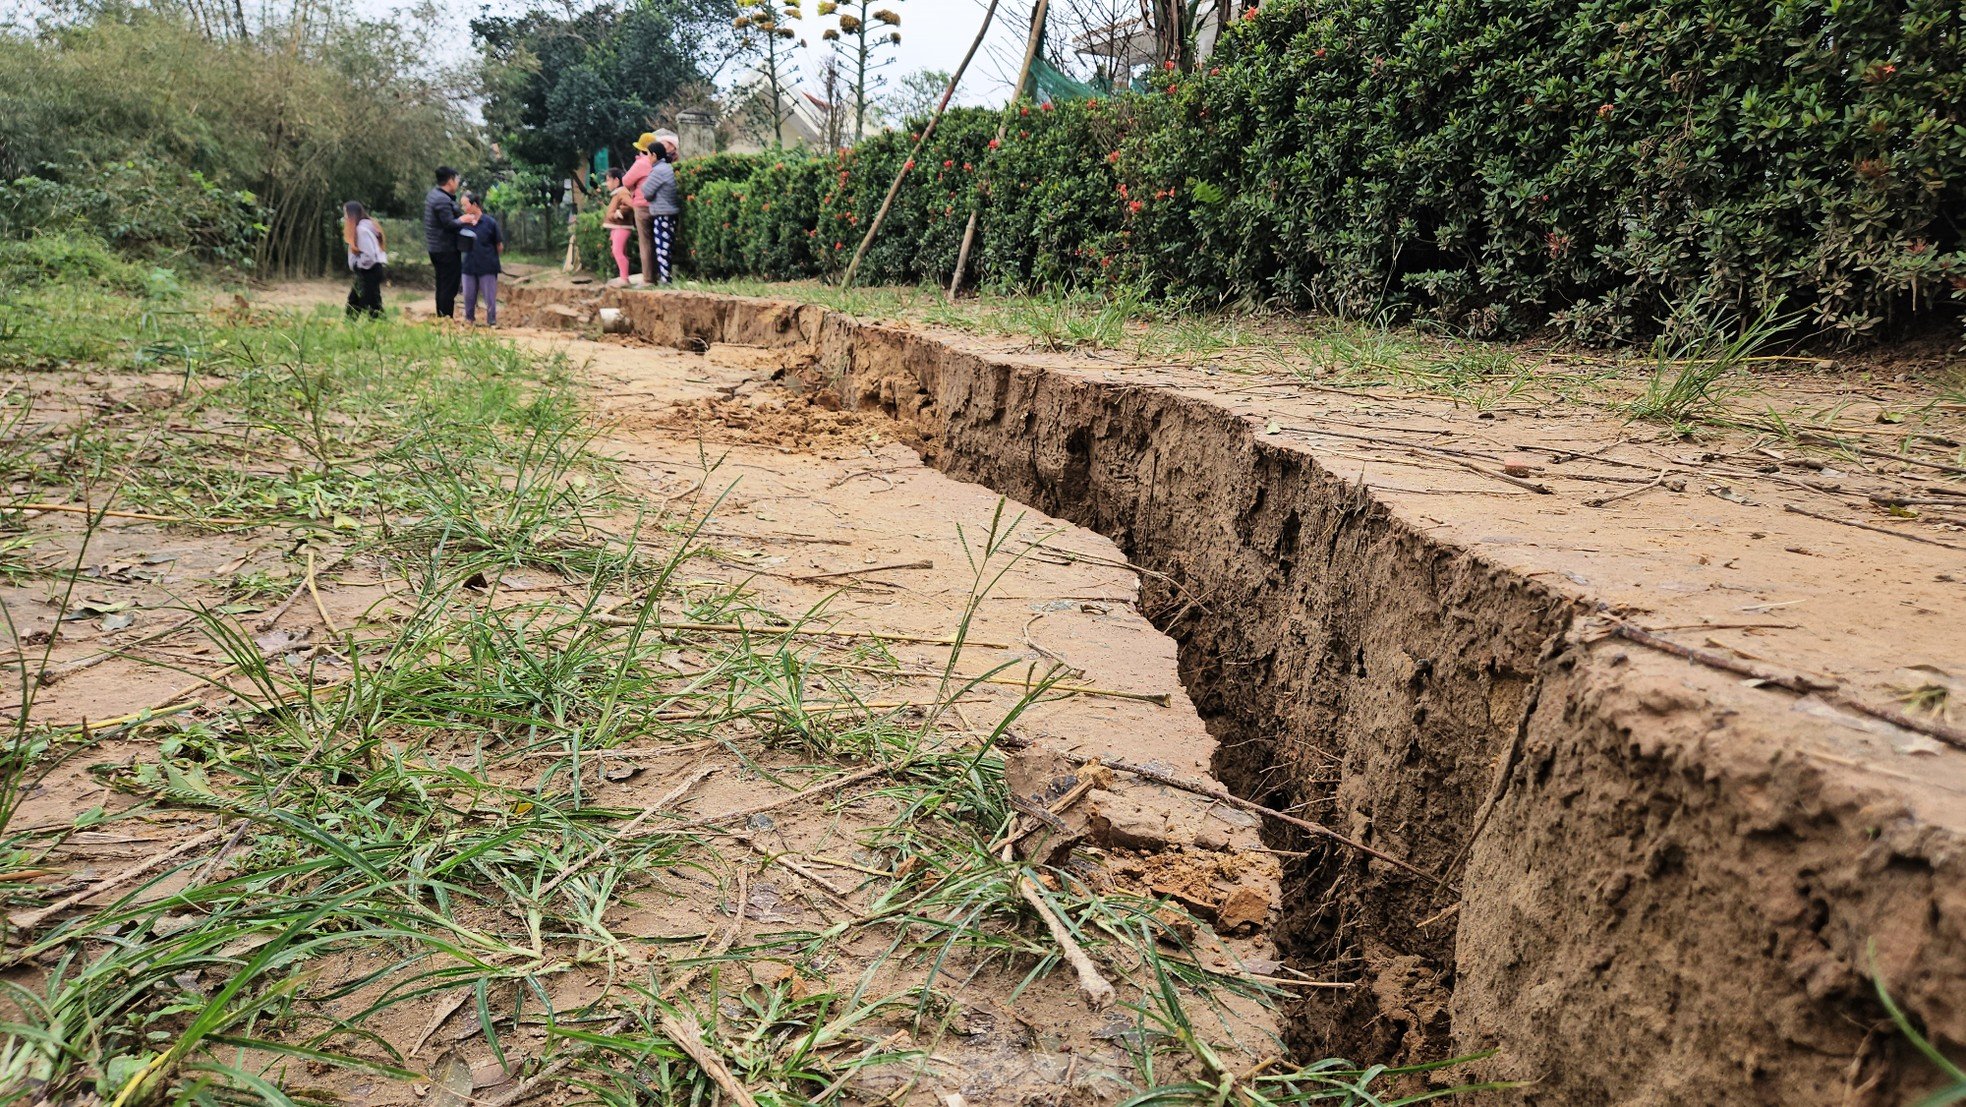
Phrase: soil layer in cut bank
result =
(1639, 709)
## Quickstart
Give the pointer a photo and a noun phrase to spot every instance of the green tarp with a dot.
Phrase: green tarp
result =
(1049, 83)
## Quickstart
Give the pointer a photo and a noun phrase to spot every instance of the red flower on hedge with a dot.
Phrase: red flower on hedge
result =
(948, 163)
(1168, 65)
(910, 164)
(1046, 106)
(1134, 205)
(1249, 15)
(1171, 89)
(1604, 110)
(994, 144)
(839, 245)
(1318, 53)
(1113, 157)
(1023, 109)
(967, 167)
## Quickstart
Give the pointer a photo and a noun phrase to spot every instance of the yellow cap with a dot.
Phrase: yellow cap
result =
(647, 140)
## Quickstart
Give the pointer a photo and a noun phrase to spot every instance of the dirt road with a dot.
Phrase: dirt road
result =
(863, 630)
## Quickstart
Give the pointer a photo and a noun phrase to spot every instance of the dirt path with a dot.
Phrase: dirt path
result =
(808, 882)
(824, 516)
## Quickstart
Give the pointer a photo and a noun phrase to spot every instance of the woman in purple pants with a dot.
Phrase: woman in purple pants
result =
(481, 244)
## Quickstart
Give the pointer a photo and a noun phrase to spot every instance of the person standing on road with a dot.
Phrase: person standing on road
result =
(441, 222)
(367, 255)
(639, 208)
(480, 245)
(659, 192)
(619, 221)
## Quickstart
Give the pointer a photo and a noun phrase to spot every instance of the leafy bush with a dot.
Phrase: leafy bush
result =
(145, 209)
(79, 259)
(591, 239)
(1493, 166)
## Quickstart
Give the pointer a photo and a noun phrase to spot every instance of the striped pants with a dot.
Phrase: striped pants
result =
(664, 229)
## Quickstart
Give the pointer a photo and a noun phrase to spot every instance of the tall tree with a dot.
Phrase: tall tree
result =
(565, 83)
(867, 32)
(916, 94)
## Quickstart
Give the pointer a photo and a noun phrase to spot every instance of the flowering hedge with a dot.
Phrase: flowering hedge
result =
(1491, 164)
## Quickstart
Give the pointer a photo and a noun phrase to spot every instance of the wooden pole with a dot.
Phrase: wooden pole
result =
(1003, 128)
(894, 189)
(571, 263)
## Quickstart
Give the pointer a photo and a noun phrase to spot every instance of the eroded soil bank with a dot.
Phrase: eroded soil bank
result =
(1655, 881)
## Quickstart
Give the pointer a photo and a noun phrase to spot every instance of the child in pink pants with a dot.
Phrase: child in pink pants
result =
(620, 223)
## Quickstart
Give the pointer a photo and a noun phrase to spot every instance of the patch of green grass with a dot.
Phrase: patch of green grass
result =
(303, 419)
(1699, 362)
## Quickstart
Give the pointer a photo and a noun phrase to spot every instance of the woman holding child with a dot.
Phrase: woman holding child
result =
(482, 243)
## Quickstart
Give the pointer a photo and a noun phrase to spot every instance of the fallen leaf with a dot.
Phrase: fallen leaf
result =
(451, 1081)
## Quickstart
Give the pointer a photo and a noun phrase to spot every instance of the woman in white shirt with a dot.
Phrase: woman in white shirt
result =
(367, 255)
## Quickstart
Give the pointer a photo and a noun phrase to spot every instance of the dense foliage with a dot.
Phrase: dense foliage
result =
(1491, 165)
(563, 83)
(148, 209)
(141, 124)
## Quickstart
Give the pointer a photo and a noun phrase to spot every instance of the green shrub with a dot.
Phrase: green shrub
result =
(315, 108)
(143, 208)
(1494, 164)
(591, 240)
(1491, 165)
(79, 259)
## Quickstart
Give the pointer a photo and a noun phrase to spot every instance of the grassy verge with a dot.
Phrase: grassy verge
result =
(377, 844)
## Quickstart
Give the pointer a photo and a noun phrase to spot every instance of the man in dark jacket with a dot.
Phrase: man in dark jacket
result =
(441, 220)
